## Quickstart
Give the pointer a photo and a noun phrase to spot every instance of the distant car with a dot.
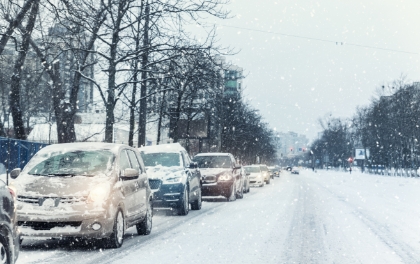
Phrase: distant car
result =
(295, 171)
(271, 173)
(84, 190)
(9, 233)
(221, 176)
(175, 180)
(265, 173)
(255, 175)
(289, 168)
(246, 178)
(275, 171)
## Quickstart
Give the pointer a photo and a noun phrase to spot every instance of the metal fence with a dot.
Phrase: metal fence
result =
(16, 153)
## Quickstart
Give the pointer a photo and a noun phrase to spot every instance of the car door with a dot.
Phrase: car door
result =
(129, 185)
(140, 192)
(236, 173)
(193, 176)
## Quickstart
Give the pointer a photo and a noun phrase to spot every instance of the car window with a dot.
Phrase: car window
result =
(74, 163)
(164, 159)
(252, 169)
(135, 164)
(124, 161)
(213, 161)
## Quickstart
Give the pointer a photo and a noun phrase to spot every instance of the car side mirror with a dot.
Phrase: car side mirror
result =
(129, 173)
(193, 165)
(15, 173)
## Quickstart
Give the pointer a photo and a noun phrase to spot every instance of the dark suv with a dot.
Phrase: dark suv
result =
(9, 234)
(174, 179)
(221, 176)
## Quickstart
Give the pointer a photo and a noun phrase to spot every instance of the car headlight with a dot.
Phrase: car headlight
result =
(173, 180)
(225, 177)
(99, 194)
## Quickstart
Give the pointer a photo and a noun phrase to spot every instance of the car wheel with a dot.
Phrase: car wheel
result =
(4, 251)
(184, 204)
(144, 228)
(232, 194)
(117, 237)
(268, 181)
(196, 205)
(240, 194)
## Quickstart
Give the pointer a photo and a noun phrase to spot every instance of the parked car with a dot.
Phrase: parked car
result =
(295, 171)
(272, 171)
(220, 175)
(265, 173)
(84, 190)
(256, 177)
(275, 171)
(245, 176)
(9, 233)
(174, 178)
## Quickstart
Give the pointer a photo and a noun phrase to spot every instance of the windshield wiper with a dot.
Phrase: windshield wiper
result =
(68, 174)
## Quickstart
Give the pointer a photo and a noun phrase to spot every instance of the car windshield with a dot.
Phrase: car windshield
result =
(213, 161)
(74, 163)
(252, 169)
(163, 159)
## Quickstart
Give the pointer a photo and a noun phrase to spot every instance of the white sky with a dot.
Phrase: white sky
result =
(294, 81)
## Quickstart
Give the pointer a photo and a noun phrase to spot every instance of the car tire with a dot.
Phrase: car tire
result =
(144, 228)
(196, 205)
(116, 239)
(240, 194)
(4, 251)
(268, 181)
(232, 194)
(184, 205)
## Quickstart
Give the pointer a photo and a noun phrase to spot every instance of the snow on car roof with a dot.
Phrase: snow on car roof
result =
(81, 146)
(165, 148)
(213, 154)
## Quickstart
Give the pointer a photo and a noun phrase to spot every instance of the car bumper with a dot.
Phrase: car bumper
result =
(256, 181)
(77, 224)
(217, 188)
(168, 195)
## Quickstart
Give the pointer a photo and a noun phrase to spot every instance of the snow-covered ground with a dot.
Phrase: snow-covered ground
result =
(313, 217)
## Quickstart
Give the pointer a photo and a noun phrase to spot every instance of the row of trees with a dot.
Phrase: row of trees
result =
(389, 127)
(136, 54)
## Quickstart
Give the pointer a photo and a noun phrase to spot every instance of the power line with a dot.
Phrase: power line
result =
(320, 39)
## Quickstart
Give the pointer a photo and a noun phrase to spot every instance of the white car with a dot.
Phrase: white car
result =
(255, 175)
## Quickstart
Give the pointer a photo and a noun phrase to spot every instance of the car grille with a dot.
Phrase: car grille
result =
(155, 184)
(63, 200)
(209, 179)
(47, 225)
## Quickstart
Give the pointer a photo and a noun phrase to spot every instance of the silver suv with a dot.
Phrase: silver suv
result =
(85, 190)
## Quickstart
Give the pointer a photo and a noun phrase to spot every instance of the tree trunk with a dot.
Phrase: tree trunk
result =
(143, 88)
(160, 118)
(16, 77)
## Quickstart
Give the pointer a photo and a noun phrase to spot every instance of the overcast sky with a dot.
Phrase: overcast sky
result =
(294, 81)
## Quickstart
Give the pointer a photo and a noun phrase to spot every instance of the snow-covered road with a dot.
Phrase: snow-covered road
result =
(323, 217)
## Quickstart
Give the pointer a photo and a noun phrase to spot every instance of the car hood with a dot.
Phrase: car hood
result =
(254, 174)
(162, 173)
(57, 186)
(213, 171)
